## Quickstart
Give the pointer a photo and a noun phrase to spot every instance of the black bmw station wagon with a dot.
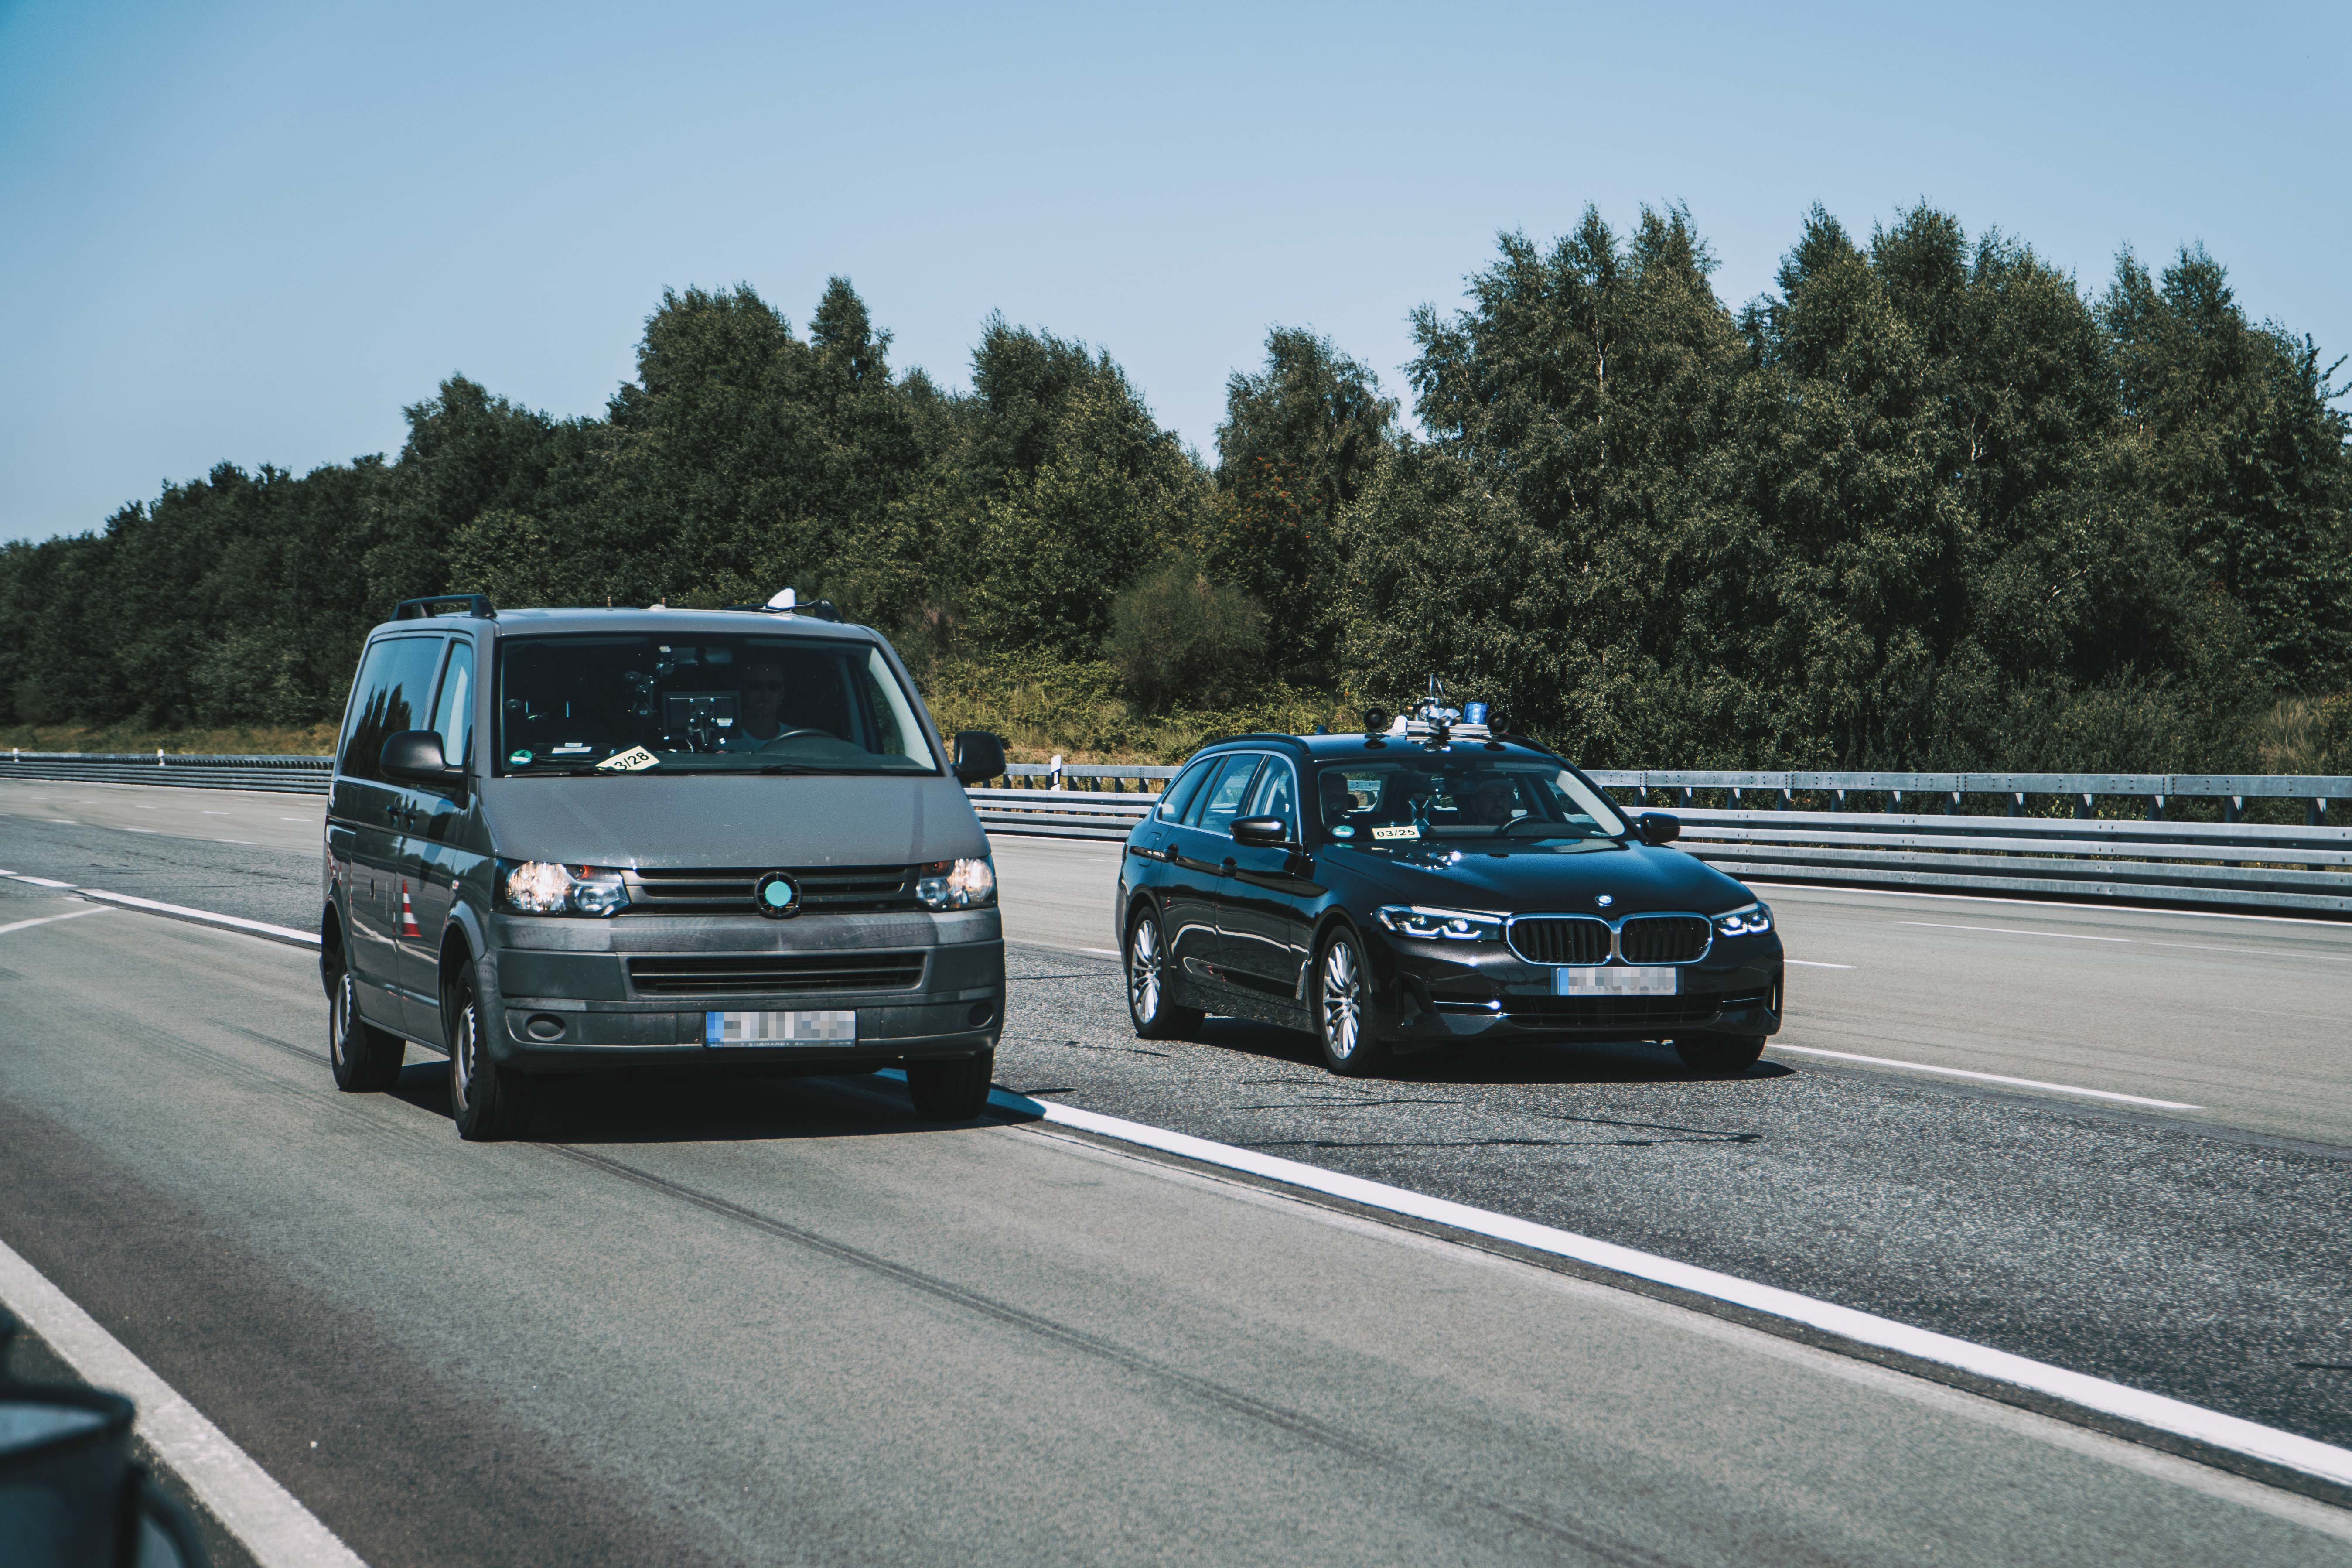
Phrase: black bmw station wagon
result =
(1428, 882)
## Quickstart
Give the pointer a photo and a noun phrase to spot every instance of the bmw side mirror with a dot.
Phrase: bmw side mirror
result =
(414, 756)
(1657, 827)
(1266, 832)
(979, 756)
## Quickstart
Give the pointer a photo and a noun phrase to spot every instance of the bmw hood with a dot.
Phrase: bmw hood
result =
(693, 820)
(1637, 878)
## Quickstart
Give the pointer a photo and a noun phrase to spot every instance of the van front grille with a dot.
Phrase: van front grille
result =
(827, 889)
(741, 974)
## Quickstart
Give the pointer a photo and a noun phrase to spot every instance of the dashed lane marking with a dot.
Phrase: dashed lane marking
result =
(49, 919)
(1815, 963)
(2012, 931)
(177, 912)
(1991, 1077)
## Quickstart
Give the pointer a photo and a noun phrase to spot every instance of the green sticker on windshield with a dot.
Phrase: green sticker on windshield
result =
(1343, 831)
(518, 759)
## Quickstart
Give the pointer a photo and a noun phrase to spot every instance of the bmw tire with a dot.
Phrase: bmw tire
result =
(1148, 979)
(1346, 1019)
(1719, 1055)
(365, 1059)
(486, 1101)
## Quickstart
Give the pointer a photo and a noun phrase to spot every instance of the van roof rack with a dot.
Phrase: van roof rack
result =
(477, 605)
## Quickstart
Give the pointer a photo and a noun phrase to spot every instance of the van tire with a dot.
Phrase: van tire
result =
(365, 1059)
(952, 1090)
(486, 1101)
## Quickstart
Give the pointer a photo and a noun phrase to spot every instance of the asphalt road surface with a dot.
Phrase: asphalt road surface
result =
(763, 1322)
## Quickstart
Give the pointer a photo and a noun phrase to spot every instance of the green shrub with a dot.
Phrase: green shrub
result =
(1177, 635)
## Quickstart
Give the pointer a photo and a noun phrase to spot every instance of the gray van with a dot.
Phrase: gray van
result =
(568, 841)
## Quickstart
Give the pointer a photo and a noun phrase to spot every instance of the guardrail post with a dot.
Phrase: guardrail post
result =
(1734, 797)
(2316, 815)
(1895, 801)
(1788, 801)
(1837, 800)
(1951, 807)
(2156, 808)
(159, 756)
(2084, 807)
(1687, 794)
(2017, 803)
(2233, 807)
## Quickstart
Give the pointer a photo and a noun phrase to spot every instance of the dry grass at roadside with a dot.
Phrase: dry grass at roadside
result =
(311, 741)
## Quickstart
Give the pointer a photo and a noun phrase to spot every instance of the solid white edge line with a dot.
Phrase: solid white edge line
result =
(2152, 1410)
(49, 919)
(177, 912)
(2009, 931)
(1989, 1078)
(1814, 963)
(269, 1521)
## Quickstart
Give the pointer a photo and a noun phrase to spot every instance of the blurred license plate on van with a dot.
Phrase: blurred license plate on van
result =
(1616, 980)
(804, 1028)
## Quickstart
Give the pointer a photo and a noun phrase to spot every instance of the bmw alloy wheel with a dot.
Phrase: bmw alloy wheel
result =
(1342, 1000)
(1143, 970)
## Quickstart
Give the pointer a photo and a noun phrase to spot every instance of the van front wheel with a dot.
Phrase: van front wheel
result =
(952, 1090)
(364, 1057)
(485, 1101)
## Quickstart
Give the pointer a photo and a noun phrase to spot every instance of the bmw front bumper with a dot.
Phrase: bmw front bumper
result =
(1439, 992)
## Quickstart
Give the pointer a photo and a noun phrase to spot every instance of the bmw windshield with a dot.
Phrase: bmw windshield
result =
(703, 703)
(1402, 802)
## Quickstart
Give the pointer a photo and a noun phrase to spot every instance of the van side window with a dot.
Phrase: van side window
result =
(1180, 794)
(452, 711)
(392, 694)
(1222, 801)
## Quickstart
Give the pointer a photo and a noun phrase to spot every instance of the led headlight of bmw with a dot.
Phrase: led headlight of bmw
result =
(545, 888)
(957, 884)
(1749, 920)
(1423, 924)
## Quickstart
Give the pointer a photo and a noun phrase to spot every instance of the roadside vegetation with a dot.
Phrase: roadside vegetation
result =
(1929, 503)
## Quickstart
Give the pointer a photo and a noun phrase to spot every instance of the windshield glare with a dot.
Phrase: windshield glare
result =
(1394, 802)
(703, 703)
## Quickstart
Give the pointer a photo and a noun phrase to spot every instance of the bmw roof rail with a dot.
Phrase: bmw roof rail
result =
(477, 605)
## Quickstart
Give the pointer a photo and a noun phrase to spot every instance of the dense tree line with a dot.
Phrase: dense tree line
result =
(1925, 504)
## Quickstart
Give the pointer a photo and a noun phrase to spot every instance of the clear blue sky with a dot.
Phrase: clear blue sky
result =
(253, 233)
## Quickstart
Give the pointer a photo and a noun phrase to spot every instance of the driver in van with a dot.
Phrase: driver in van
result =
(762, 701)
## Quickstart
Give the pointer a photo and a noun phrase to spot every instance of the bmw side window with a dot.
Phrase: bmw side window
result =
(453, 714)
(1277, 795)
(1222, 801)
(1180, 793)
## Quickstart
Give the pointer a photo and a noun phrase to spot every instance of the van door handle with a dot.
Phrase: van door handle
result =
(1230, 866)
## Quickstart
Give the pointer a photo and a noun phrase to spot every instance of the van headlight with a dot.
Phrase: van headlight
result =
(1751, 920)
(1424, 924)
(957, 884)
(547, 888)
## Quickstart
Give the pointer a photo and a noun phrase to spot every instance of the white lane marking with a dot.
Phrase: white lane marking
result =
(2078, 906)
(1815, 963)
(217, 813)
(47, 919)
(2155, 1410)
(2012, 931)
(62, 821)
(178, 912)
(1991, 1077)
(1104, 952)
(262, 1514)
(2256, 952)
(293, 820)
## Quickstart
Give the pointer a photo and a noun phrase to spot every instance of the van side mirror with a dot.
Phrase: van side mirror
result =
(414, 756)
(1266, 832)
(979, 756)
(1657, 827)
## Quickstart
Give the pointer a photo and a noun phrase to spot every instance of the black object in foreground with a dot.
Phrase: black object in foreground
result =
(71, 1496)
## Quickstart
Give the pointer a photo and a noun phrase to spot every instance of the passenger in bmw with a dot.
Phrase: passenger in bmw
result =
(1452, 883)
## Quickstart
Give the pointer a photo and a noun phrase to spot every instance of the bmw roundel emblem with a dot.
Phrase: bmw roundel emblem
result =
(776, 895)
(1605, 900)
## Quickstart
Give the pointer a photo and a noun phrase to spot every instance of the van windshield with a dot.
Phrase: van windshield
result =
(703, 703)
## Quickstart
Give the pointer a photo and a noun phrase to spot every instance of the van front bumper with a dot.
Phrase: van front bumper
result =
(569, 997)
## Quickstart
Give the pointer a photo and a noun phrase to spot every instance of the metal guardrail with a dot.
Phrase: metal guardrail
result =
(2231, 863)
(294, 776)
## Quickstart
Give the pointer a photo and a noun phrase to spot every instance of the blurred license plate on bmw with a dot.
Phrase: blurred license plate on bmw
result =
(1617, 980)
(803, 1028)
